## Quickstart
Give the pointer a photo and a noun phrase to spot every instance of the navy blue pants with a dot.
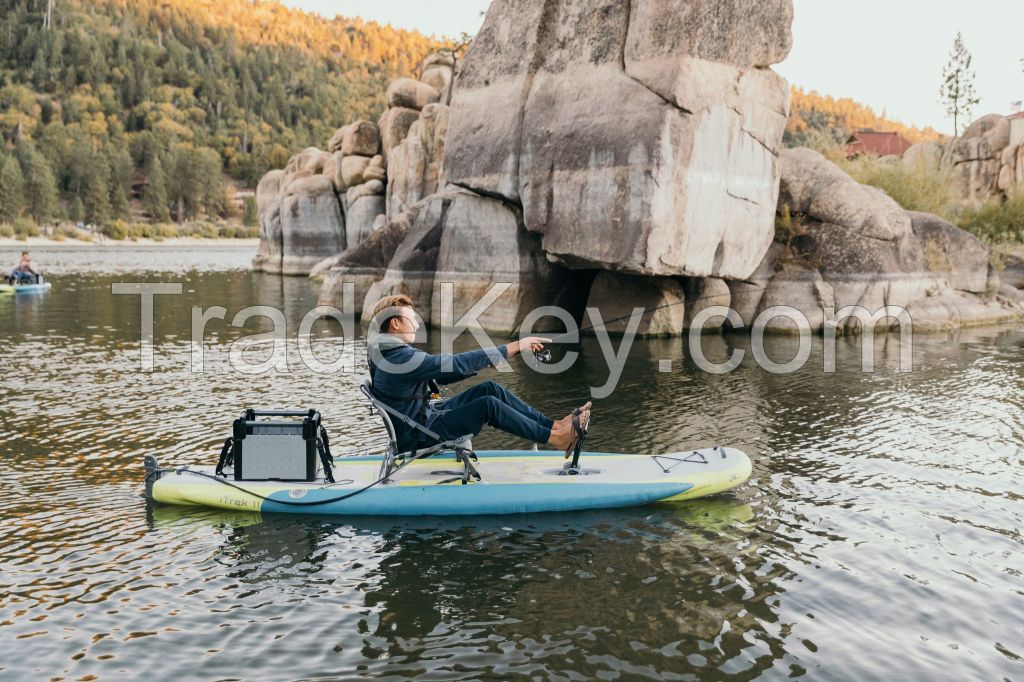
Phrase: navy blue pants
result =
(489, 403)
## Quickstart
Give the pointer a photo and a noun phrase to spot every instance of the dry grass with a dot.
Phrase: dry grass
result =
(997, 222)
(915, 189)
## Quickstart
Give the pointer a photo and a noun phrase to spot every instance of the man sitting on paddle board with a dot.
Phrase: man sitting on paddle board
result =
(24, 271)
(404, 378)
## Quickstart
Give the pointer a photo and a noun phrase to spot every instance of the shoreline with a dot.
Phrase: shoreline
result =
(127, 243)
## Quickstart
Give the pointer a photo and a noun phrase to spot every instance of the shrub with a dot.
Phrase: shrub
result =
(206, 231)
(915, 189)
(787, 226)
(25, 228)
(227, 232)
(248, 233)
(827, 144)
(166, 230)
(996, 221)
(59, 234)
(6, 230)
(116, 230)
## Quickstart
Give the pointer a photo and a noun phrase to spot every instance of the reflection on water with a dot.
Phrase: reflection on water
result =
(879, 534)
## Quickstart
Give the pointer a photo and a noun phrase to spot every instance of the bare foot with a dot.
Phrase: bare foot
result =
(561, 435)
(562, 432)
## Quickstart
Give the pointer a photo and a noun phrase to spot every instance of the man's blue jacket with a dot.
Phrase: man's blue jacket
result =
(401, 376)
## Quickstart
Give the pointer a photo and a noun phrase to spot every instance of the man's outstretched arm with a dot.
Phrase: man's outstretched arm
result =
(447, 368)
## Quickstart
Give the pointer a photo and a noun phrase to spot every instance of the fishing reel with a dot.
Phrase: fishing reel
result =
(544, 356)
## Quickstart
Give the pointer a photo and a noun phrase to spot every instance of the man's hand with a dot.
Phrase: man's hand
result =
(534, 343)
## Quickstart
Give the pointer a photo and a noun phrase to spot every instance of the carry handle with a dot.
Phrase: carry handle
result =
(250, 414)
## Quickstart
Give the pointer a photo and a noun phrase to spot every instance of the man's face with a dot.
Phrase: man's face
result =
(405, 327)
(26, 259)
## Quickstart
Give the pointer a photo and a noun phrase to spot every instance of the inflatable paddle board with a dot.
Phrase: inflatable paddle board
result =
(24, 288)
(511, 482)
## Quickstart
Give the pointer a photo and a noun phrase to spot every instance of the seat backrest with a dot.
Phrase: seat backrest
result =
(367, 390)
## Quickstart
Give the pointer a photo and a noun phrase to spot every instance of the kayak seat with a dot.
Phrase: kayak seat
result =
(460, 445)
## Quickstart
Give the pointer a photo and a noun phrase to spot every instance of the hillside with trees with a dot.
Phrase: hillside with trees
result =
(816, 118)
(151, 110)
(111, 105)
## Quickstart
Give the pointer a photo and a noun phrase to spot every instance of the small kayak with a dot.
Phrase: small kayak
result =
(511, 482)
(24, 288)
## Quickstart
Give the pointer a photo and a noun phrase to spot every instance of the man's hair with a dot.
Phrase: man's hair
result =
(395, 301)
(24, 253)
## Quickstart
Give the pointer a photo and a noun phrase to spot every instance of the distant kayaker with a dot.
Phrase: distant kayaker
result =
(405, 378)
(24, 271)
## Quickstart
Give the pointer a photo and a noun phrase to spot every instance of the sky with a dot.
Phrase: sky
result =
(887, 54)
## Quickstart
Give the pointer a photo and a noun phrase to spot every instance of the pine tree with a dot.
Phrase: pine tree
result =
(182, 181)
(120, 163)
(154, 197)
(96, 194)
(77, 210)
(12, 189)
(251, 217)
(40, 186)
(957, 91)
(211, 182)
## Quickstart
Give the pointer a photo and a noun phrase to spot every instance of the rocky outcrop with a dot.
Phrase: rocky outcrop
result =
(437, 71)
(926, 155)
(311, 224)
(415, 166)
(394, 126)
(457, 246)
(300, 216)
(703, 293)
(852, 245)
(616, 155)
(410, 94)
(615, 295)
(268, 257)
(486, 248)
(986, 160)
(974, 157)
(624, 118)
(411, 268)
(362, 266)
(300, 229)
(363, 212)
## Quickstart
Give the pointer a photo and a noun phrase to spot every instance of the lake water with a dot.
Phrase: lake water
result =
(878, 537)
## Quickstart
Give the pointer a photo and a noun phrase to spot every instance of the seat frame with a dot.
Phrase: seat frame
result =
(462, 446)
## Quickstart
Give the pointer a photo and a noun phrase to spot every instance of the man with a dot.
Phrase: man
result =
(24, 271)
(404, 378)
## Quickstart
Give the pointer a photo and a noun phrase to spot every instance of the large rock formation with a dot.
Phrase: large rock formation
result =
(415, 165)
(362, 266)
(344, 193)
(311, 224)
(268, 257)
(457, 246)
(986, 160)
(300, 216)
(621, 154)
(614, 125)
(851, 245)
